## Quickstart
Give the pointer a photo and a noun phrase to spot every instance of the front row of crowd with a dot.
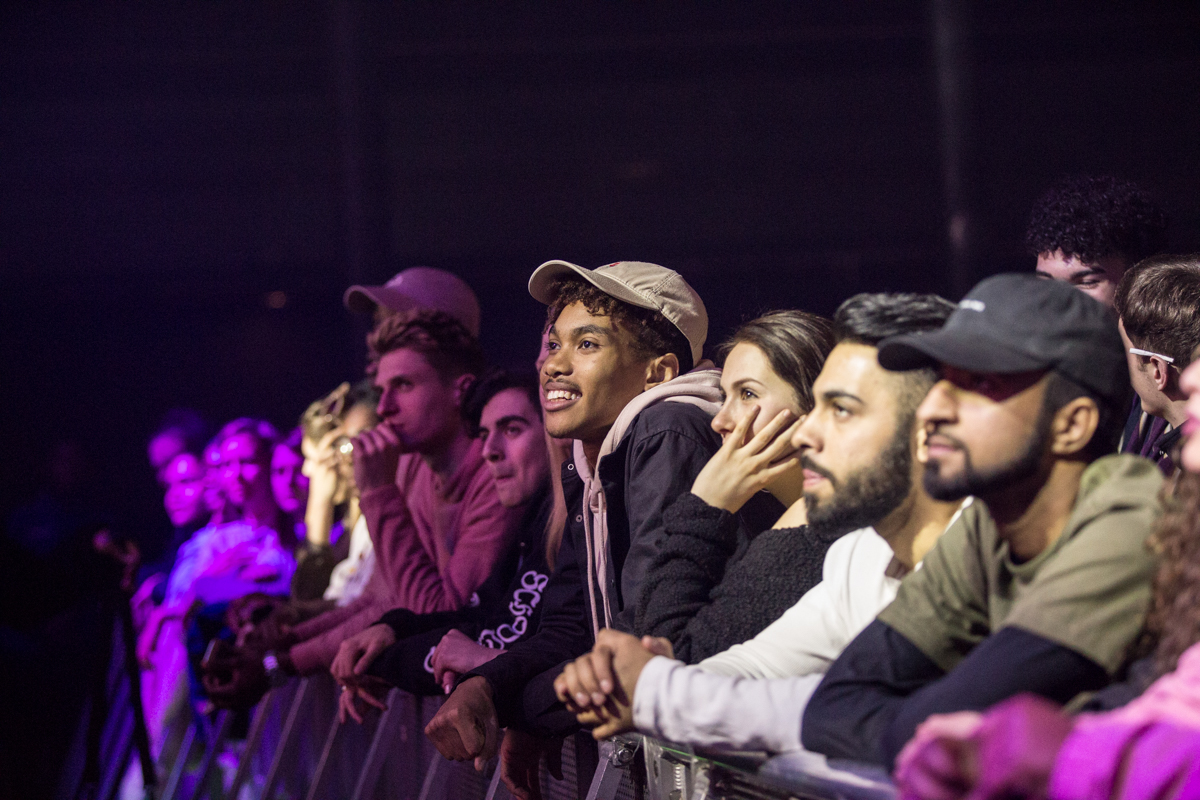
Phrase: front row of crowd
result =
(905, 535)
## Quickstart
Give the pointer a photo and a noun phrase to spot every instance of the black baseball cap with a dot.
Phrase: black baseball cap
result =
(1018, 322)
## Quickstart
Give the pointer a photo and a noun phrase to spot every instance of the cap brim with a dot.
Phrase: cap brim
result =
(956, 349)
(542, 281)
(364, 299)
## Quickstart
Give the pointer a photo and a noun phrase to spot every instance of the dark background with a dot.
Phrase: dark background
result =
(164, 167)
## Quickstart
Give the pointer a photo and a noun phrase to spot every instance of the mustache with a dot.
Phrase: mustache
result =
(945, 439)
(808, 464)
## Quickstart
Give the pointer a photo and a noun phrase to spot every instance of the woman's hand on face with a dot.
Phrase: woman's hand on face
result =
(745, 465)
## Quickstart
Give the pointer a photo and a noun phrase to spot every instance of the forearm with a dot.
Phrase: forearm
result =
(688, 705)
(318, 521)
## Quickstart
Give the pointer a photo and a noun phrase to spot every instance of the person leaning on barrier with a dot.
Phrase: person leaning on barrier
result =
(706, 588)
(860, 450)
(424, 653)
(619, 380)
(1150, 747)
(1044, 585)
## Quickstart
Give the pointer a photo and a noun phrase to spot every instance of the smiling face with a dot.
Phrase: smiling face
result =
(1097, 280)
(747, 382)
(415, 402)
(514, 446)
(984, 432)
(592, 372)
(856, 446)
(184, 499)
(288, 483)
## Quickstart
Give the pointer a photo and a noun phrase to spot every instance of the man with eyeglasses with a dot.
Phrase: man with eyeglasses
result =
(1159, 306)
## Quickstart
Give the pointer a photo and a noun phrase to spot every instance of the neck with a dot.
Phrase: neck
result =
(788, 489)
(591, 450)
(445, 460)
(259, 512)
(1032, 513)
(913, 527)
(1175, 413)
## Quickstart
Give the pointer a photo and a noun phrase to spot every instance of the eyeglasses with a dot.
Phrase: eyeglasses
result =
(1137, 351)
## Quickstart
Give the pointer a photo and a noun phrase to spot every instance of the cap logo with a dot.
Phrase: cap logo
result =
(972, 305)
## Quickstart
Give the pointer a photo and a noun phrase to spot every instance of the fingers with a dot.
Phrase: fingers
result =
(491, 742)
(659, 645)
(372, 651)
(449, 678)
(602, 661)
(770, 433)
(741, 431)
(781, 445)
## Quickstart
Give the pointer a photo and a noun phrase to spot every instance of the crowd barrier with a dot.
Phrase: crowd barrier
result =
(292, 747)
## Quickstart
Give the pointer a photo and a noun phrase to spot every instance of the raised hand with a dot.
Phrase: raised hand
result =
(746, 464)
(376, 457)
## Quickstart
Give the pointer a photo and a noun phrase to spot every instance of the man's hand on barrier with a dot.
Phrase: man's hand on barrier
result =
(521, 756)
(600, 684)
(466, 727)
(457, 654)
(939, 762)
(233, 677)
(356, 654)
(369, 689)
(376, 457)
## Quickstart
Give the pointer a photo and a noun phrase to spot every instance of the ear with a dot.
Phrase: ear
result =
(460, 385)
(1160, 373)
(1074, 426)
(662, 369)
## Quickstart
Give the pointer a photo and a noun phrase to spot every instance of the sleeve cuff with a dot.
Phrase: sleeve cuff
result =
(650, 687)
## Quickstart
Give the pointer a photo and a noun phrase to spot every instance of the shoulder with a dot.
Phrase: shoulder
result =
(673, 419)
(858, 550)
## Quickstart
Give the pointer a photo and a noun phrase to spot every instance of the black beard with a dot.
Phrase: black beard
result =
(867, 496)
(972, 481)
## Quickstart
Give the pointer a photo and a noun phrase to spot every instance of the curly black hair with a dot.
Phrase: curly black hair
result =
(653, 334)
(1093, 216)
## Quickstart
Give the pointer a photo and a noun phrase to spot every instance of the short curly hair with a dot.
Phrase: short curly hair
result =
(653, 334)
(1093, 216)
(446, 344)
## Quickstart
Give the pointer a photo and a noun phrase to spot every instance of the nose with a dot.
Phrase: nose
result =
(492, 451)
(808, 434)
(723, 422)
(555, 364)
(938, 406)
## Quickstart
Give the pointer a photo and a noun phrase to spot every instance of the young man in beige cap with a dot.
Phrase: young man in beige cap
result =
(621, 380)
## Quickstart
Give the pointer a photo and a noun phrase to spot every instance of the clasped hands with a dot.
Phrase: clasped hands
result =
(598, 686)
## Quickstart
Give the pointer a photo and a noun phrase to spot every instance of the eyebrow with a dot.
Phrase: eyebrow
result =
(511, 418)
(840, 394)
(1077, 274)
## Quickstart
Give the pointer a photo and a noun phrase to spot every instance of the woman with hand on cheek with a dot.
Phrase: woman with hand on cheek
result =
(769, 367)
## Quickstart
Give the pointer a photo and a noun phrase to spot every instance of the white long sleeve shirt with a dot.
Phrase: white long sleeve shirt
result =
(752, 696)
(724, 700)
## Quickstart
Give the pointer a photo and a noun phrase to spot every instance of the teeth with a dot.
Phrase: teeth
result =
(561, 394)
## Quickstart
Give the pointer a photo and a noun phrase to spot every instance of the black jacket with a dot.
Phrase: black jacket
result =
(706, 597)
(658, 459)
(503, 617)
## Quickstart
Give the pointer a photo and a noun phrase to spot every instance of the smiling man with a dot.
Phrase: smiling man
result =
(1088, 230)
(618, 380)
(1042, 589)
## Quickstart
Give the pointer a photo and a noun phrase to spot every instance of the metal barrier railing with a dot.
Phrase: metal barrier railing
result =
(295, 748)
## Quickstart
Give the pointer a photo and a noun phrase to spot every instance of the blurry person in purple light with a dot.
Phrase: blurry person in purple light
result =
(289, 484)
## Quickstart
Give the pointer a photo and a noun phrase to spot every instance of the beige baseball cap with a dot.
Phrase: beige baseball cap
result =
(639, 284)
(419, 287)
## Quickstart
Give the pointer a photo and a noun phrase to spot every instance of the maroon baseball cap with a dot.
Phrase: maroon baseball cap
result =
(419, 287)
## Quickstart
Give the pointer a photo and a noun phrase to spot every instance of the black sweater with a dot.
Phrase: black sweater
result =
(704, 597)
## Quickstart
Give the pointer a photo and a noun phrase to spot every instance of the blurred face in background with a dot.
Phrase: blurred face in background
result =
(514, 446)
(245, 473)
(288, 482)
(1189, 383)
(161, 449)
(214, 495)
(184, 499)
